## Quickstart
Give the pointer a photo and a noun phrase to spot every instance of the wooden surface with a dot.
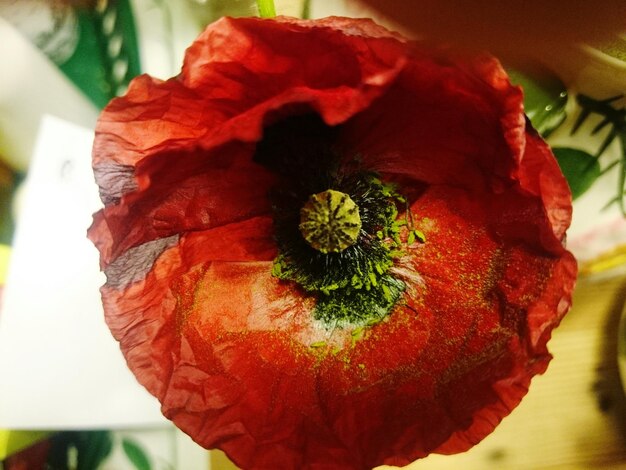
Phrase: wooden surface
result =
(574, 416)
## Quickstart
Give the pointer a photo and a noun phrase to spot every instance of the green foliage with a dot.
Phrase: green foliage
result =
(136, 454)
(580, 169)
(614, 118)
(79, 450)
(545, 96)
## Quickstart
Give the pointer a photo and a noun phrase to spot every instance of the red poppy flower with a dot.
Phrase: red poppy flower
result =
(328, 247)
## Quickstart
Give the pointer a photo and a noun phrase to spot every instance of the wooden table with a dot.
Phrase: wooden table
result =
(574, 416)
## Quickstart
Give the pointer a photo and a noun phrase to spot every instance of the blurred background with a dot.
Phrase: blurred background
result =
(60, 64)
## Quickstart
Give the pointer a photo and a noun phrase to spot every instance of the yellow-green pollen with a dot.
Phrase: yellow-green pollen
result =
(330, 221)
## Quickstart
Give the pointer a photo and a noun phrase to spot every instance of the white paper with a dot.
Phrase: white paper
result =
(31, 85)
(60, 368)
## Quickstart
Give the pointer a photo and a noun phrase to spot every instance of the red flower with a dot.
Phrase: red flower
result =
(412, 339)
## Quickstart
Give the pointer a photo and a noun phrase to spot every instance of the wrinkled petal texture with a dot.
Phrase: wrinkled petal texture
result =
(186, 241)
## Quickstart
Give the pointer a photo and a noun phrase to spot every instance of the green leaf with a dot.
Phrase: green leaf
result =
(93, 448)
(136, 455)
(545, 96)
(580, 168)
(92, 66)
(79, 450)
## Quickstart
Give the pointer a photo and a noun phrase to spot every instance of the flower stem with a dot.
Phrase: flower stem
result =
(266, 8)
(306, 10)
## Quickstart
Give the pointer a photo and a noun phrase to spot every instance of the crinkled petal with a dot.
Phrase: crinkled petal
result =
(234, 355)
(459, 121)
(184, 191)
(438, 376)
(459, 111)
(204, 119)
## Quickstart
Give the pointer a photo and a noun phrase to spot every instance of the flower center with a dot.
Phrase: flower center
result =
(330, 221)
(337, 245)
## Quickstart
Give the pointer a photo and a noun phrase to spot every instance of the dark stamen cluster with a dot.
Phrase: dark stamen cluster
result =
(352, 285)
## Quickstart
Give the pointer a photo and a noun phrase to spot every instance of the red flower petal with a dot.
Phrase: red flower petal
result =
(233, 354)
(462, 112)
(202, 190)
(222, 99)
